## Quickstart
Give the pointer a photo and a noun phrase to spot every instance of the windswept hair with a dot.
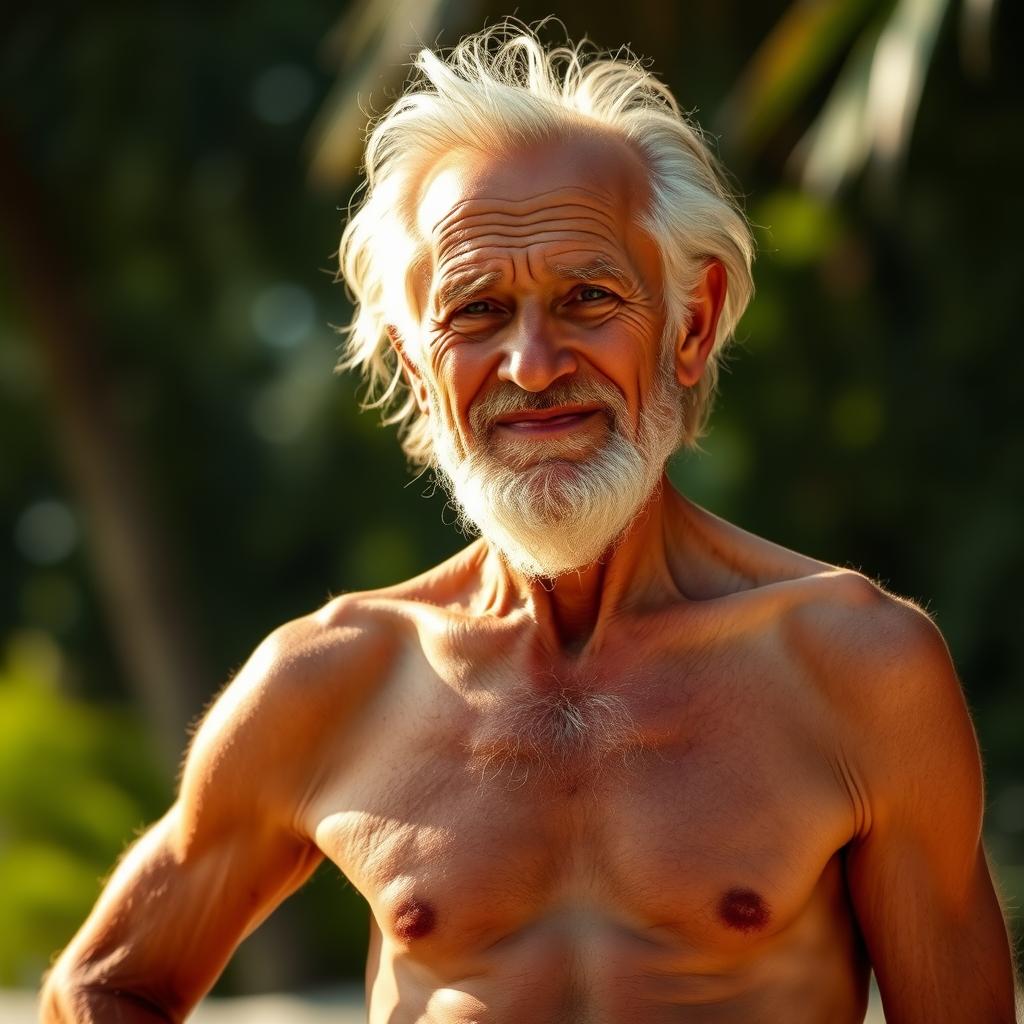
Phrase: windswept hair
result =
(498, 90)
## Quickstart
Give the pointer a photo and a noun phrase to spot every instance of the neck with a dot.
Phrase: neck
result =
(572, 610)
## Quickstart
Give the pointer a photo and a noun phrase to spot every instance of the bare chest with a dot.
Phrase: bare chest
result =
(696, 814)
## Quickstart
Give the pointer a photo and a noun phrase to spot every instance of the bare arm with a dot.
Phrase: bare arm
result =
(227, 852)
(918, 875)
(170, 918)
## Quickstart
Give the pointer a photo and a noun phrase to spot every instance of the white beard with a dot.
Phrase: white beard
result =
(557, 515)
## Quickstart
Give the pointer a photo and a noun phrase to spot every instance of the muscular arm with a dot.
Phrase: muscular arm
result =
(219, 861)
(169, 918)
(917, 873)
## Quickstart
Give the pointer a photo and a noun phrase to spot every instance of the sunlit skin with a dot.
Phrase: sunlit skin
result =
(798, 798)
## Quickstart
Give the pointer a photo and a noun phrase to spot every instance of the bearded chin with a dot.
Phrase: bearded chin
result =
(558, 515)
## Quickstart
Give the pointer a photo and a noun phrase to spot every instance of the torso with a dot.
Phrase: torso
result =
(690, 868)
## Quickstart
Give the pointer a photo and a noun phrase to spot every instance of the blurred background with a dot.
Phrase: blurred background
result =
(181, 471)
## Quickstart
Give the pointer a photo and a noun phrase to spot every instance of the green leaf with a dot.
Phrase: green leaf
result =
(786, 67)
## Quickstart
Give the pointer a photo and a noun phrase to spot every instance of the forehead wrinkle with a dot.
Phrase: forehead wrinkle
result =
(534, 215)
(520, 228)
(460, 234)
(502, 204)
(456, 235)
(481, 230)
(481, 220)
(478, 246)
(567, 215)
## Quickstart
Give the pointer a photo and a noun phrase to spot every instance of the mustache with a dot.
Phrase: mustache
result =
(506, 398)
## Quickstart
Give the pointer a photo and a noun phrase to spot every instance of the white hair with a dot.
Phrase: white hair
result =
(500, 89)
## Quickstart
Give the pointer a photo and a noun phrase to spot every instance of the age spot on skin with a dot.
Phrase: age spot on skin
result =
(414, 919)
(743, 909)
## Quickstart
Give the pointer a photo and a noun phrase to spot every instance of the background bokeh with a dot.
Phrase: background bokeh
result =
(180, 471)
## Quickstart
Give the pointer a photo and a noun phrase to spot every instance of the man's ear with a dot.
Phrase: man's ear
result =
(413, 377)
(696, 339)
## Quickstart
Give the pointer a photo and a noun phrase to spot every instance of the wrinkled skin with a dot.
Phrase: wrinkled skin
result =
(775, 784)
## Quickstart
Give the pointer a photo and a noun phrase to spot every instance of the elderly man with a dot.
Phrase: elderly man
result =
(617, 760)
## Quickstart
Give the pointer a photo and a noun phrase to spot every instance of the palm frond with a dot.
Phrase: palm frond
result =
(803, 44)
(370, 45)
(868, 116)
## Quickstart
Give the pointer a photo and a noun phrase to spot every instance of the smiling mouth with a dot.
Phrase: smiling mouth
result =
(547, 421)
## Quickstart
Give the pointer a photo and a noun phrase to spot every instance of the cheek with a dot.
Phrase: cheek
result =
(459, 371)
(644, 327)
(627, 350)
(438, 352)
(633, 327)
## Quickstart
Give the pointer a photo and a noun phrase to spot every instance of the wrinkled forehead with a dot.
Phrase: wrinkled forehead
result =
(603, 167)
(583, 194)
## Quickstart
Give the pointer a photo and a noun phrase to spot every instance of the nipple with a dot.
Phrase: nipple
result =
(744, 910)
(414, 919)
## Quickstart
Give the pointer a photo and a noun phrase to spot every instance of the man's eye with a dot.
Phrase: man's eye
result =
(593, 294)
(476, 308)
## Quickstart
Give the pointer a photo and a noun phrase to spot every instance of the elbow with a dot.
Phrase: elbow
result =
(57, 998)
(66, 999)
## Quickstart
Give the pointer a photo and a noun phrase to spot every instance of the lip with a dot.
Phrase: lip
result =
(543, 421)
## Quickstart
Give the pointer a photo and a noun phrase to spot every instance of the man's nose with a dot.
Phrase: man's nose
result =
(536, 354)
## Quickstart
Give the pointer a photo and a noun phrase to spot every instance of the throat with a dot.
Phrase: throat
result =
(573, 611)
(574, 605)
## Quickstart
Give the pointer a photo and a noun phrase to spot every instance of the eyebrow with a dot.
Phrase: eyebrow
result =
(592, 270)
(461, 289)
(458, 290)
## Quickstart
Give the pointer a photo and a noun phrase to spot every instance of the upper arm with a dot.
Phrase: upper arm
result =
(917, 872)
(231, 847)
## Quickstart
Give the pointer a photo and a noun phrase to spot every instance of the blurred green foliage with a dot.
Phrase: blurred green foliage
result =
(870, 415)
(77, 780)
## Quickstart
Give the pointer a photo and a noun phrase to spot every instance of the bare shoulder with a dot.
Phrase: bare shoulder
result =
(871, 650)
(886, 672)
(325, 664)
(327, 657)
(308, 677)
(874, 646)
